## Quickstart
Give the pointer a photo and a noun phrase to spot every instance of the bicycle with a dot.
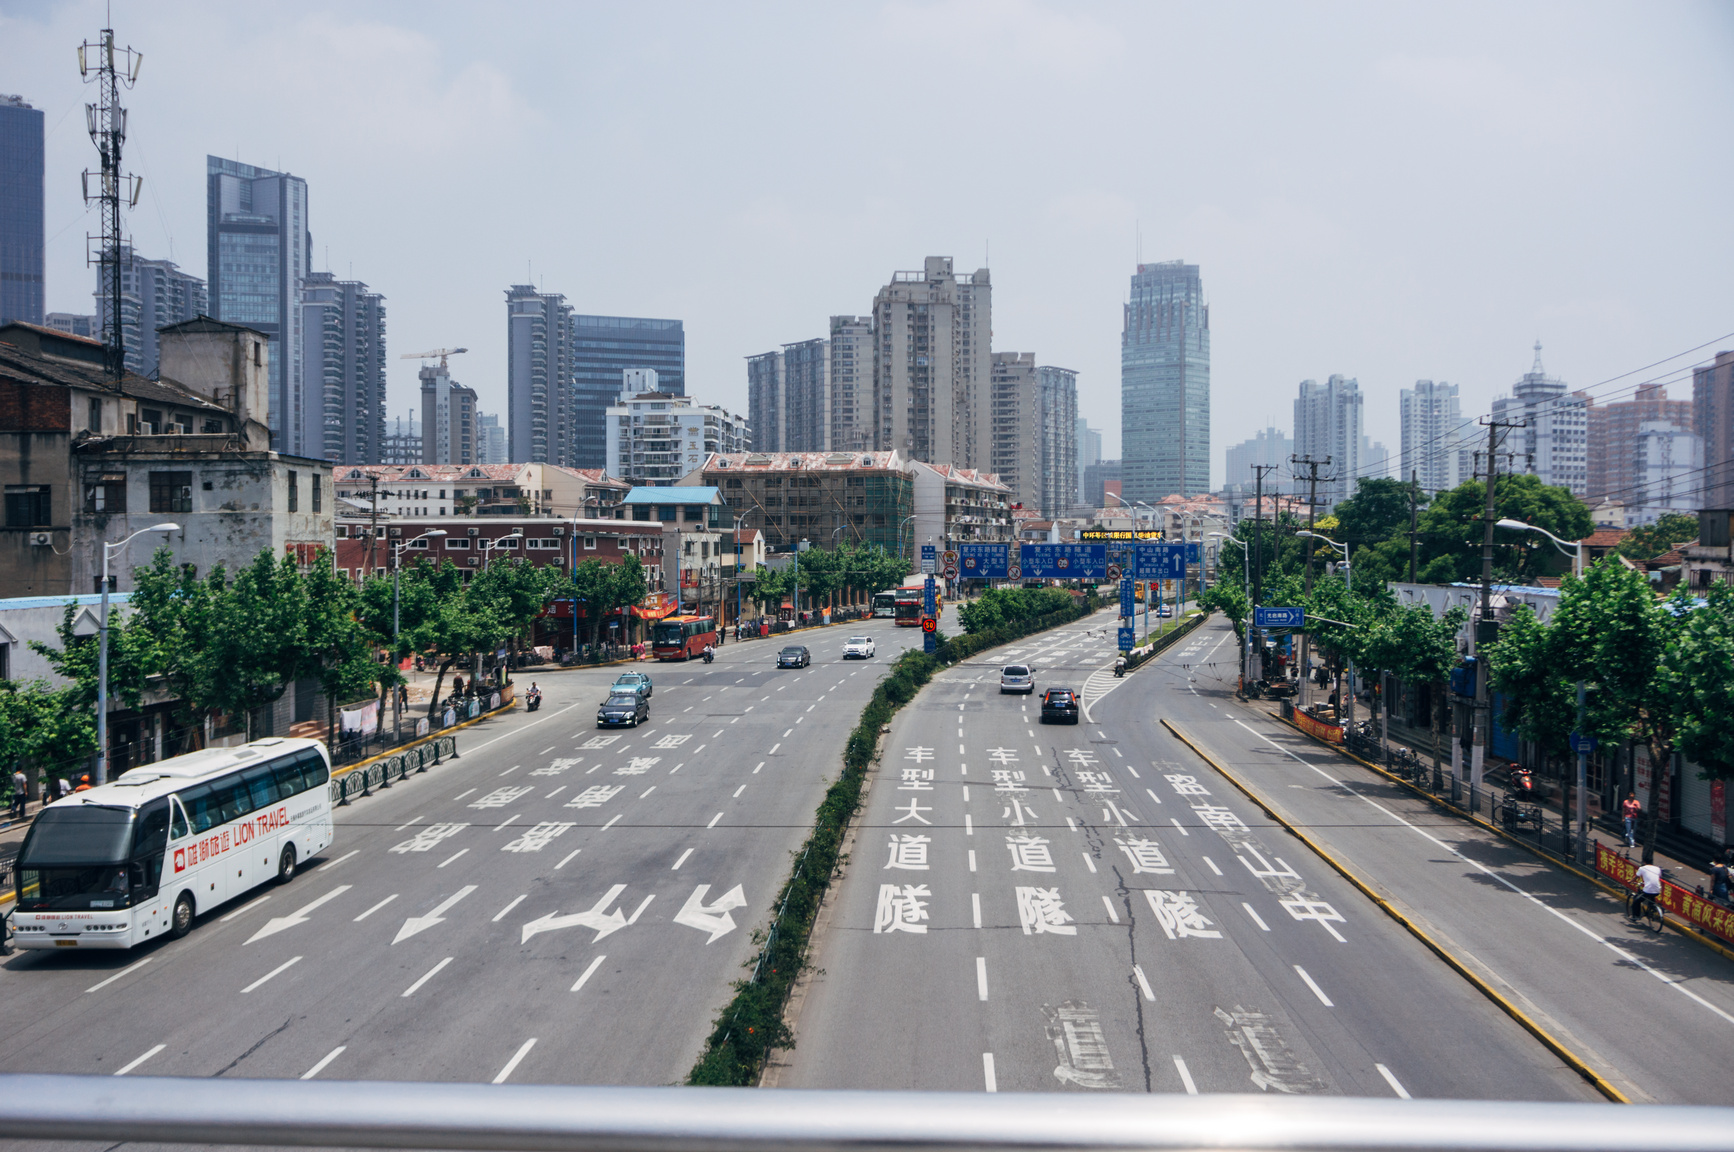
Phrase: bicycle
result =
(1643, 908)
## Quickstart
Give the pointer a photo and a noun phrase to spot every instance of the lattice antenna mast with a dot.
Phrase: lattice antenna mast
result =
(109, 68)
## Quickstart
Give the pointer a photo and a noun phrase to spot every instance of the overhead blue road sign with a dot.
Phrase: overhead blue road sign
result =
(983, 561)
(1194, 553)
(1160, 562)
(1279, 617)
(1063, 561)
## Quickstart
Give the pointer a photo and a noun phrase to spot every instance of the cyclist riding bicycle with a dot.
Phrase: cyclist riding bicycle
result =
(1650, 885)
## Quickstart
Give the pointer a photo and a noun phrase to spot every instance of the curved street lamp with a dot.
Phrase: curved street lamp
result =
(102, 651)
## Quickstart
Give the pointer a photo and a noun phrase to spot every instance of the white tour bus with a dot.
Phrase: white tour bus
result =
(139, 857)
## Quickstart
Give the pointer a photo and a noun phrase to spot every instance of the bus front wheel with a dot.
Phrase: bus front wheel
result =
(182, 921)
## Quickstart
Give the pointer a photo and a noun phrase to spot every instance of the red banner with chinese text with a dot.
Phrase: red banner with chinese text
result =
(1682, 902)
(1319, 728)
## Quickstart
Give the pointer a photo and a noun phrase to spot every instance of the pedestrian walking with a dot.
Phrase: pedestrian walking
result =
(1630, 810)
(1719, 880)
(19, 784)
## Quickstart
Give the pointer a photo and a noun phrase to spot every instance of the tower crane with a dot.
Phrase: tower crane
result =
(442, 353)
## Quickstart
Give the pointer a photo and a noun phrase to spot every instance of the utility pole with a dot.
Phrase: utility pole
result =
(1414, 500)
(1255, 560)
(1483, 690)
(108, 68)
(373, 530)
(1312, 467)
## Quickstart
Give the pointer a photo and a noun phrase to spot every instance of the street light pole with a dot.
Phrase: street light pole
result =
(396, 564)
(1246, 626)
(102, 653)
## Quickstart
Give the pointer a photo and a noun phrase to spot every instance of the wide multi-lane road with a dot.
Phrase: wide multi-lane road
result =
(558, 905)
(1035, 907)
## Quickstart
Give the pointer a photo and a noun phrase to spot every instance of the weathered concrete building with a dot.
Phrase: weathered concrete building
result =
(85, 460)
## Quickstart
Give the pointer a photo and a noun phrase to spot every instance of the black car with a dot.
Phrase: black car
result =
(794, 656)
(1059, 704)
(626, 707)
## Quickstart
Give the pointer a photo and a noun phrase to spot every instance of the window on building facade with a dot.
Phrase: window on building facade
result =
(294, 492)
(28, 505)
(94, 421)
(171, 491)
(106, 493)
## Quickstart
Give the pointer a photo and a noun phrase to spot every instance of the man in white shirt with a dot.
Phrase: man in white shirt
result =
(1650, 876)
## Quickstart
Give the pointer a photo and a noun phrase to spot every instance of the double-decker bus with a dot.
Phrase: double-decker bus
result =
(682, 637)
(138, 858)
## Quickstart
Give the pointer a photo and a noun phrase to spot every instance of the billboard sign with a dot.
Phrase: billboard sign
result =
(1063, 561)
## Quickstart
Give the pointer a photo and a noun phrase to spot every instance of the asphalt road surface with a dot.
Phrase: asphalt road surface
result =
(1033, 907)
(559, 905)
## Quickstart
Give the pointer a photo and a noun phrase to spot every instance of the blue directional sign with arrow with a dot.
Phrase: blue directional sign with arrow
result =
(1279, 617)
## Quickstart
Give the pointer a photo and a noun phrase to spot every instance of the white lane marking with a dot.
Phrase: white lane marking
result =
(679, 766)
(1091, 865)
(681, 861)
(454, 856)
(415, 924)
(975, 906)
(1392, 1081)
(699, 749)
(1178, 825)
(968, 825)
(1134, 772)
(1058, 799)
(1185, 1076)
(375, 908)
(284, 967)
(972, 859)
(125, 1068)
(1072, 824)
(1143, 982)
(588, 972)
(568, 858)
(1317, 991)
(981, 977)
(501, 914)
(610, 823)
(464, 793)
(1109, 905)
(761, 765)
(320, 1067)
(774, 748)
(515, 767)
(810, 707)
(339, 860)
(406, 824)
(987, 1076)
(244, 908)
(647, 792)
(688, 708)
(717, 733)
(512, 1064)
(1608, 944)
(1256, 918)
(428, 975)
(739, 790)
(278, 923)
(1118, 753)
(714, 819)
(1153, 796)
(960, 749)
(1213, 866)
(505, 822)
(136, 964)
(787, 732)
(555, 792)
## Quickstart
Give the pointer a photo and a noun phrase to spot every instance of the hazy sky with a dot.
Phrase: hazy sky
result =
(1389, 191)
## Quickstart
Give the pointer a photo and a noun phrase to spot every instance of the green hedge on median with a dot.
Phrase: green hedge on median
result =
(751, 1024)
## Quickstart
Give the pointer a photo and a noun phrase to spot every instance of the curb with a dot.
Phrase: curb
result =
(1684, 929)
(1571, 1059)
(359, 764)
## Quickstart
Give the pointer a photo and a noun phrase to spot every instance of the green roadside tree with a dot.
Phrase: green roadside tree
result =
(340, 648)
(1379, 510)
(1451, 529)
(1705, 659)
(1419, 650)
(256, 646)
(1651, 540)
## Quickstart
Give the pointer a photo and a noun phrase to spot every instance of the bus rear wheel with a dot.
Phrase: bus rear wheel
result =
(182, 921)
(286, 865)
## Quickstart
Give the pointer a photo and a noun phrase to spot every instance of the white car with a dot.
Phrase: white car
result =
(861, 647)
(1017, 678)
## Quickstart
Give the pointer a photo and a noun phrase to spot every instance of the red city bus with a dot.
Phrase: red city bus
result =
(682, 637)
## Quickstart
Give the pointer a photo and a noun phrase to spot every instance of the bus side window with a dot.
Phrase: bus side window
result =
(259, 787)
(314, 773)
(230, 794)
(201, 807)
(178, 821)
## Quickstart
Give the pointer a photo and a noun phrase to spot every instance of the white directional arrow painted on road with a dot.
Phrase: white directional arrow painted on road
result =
(299, 916)
(422, 923)
(712, 918)
(603, 922)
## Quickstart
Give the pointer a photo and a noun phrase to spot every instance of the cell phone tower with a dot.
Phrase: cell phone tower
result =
(108, 68)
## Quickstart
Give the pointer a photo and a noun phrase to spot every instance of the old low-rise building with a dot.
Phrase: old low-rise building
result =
(959, 506)
(439, 490)
(823, 497)
(87, 460)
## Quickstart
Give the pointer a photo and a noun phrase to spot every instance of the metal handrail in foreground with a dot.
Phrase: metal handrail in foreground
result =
(400, 1115)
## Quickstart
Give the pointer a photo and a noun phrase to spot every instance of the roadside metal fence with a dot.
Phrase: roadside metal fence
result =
(382, 772)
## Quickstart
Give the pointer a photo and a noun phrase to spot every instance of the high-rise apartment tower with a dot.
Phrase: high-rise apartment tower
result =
(343, 367)
(153, 295)
(21, 227)
(1327, 426)
(539, 416)
(1165, 384)
(1438, 443)
(931, 393)
(1553, 442)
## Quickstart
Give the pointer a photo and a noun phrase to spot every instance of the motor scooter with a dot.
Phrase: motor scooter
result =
(709, 655)
(533, 701)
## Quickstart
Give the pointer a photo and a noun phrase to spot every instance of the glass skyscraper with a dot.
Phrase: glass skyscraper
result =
(21, 167)
(258, 252)
(603, 347)
(1165, 384)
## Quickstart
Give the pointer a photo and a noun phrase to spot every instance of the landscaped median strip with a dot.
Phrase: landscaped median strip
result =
(1571, 1059)
(1686, 930)
(751, 1024)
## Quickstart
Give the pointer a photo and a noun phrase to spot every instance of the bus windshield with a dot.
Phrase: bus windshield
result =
(78, 834)
(668, 635)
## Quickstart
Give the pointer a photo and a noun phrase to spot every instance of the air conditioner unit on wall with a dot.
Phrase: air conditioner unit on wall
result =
(475, 561)
(559, 530)
(475, 531)
(41, 540)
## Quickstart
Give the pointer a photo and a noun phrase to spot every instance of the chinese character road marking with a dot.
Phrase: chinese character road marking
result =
(500, 797)
(1041, 911)
(1003, 755)
(1305, 907)
(1007, 782)
(1220, 818)
(901, 908)
(535, 839)
(1075, 1030)
(916, 780)
(913, 812)
(919, 755)
(595, 796)
(556, 768)
(672, 741)
(1146, 855)
(1180, 915)
(638, 766)
(429, 837)
(909, 852)
(1030, 854)
(1275, 1068)
(600, 741)
(1188, 785)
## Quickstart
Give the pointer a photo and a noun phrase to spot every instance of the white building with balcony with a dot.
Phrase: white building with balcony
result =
(655, 438)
